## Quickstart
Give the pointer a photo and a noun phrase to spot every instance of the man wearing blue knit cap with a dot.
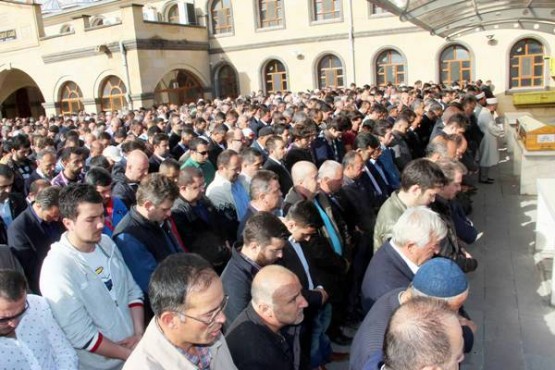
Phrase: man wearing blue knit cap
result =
(439, 278)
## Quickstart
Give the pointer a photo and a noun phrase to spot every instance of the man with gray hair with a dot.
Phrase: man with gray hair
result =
(255, 338)
(336, 246)
(33, 231)
(265, 194)
(147, 235)
(439, 345)
(439, 278)
(437, 150)
(434, 111)
(46, 164)
(188, 302)
(416, 238)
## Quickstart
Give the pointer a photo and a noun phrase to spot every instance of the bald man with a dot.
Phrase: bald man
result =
(126, 184)
(257, 338)
(305, 184)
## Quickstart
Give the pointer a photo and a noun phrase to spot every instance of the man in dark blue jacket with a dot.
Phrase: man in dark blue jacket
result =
(264, 239)
(328, 145)
(33, 231)
(439, 278)
(147, 234)
(416, 237)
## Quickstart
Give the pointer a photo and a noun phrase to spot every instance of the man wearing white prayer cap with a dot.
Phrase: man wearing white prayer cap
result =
(481, 99)
(489, 155)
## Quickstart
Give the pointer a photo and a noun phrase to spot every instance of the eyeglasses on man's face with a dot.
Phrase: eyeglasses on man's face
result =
(6, 320)
(212, 319)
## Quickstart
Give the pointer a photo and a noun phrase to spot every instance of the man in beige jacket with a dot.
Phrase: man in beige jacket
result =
(188, 301)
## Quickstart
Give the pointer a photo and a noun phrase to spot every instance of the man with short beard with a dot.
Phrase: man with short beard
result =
(46, 162)
(19, 161)
(228, 195)
(73, 162)
(256, 338)
(264, 239)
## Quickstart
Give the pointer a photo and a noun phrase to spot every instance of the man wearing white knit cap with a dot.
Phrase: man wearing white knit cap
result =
(489, 155)
(481, 102)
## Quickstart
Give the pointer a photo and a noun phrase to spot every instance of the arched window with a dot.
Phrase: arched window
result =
(275, 76)
(222, 19)
(455, 64)
(527, 64)
(270, 13)
(98, 21)
(178, 86)
(173, 14)
(226, 81)
(66, 28)
(71, 98)
(113, 96)
(325, 10)
(330, 71)
(390, 67)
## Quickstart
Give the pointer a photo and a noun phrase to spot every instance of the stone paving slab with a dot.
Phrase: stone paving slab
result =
(508, 300)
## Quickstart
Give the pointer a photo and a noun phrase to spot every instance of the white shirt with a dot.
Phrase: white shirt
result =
(412, 266)
(300, 253)
(374, 181)
(39, 344)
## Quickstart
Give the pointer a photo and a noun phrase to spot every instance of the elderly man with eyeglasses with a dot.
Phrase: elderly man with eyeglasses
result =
(30, 338)
(188, 301)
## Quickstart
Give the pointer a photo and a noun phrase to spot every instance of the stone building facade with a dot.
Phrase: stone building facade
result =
(123, 54)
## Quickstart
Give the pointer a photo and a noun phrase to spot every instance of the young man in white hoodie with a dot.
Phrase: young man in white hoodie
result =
(89, 288)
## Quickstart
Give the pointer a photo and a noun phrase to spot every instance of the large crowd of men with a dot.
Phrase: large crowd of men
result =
(245, 233)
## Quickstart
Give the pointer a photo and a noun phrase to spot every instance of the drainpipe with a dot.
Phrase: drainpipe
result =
(123, 52)
(351, 40)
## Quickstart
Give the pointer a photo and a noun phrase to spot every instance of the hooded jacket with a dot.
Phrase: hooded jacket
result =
(82, 304)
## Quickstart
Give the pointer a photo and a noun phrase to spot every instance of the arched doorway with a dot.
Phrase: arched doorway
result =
(177, 87)
(20, 95)
(226, 82)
